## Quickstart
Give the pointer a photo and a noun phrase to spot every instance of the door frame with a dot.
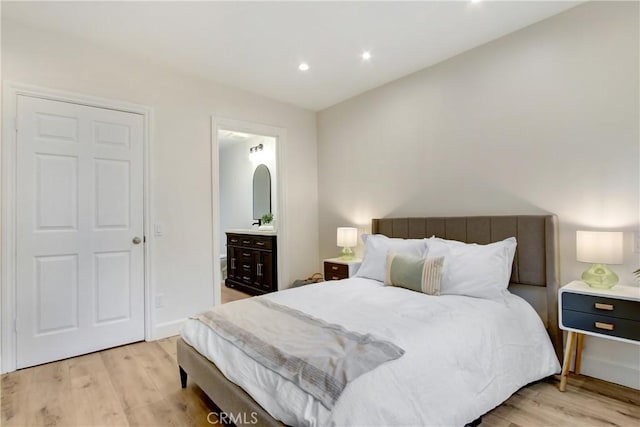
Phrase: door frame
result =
(280, 134)
(8, 302)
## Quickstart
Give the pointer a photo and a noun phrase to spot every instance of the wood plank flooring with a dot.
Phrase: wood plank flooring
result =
(230, 294)
(139, 385)
(132, 385)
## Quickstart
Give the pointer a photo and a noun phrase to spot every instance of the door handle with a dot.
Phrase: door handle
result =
(136, 240)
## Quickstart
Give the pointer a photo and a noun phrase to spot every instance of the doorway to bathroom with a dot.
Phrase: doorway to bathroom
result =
(246, 186)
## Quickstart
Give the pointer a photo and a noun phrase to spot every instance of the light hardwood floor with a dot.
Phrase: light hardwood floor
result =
(139, 385)
(229, 294)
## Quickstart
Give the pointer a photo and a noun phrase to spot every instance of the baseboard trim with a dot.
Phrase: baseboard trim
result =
(166, 329)
(609, 370)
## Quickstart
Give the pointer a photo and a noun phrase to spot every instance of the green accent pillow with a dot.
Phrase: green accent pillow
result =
(414, 273)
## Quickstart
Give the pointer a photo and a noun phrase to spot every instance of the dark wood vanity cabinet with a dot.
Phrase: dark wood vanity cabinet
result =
(252, 263)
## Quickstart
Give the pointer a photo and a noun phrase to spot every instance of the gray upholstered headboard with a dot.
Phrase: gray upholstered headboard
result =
(535, 264)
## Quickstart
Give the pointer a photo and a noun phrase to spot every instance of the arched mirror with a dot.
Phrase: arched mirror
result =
(261, 191)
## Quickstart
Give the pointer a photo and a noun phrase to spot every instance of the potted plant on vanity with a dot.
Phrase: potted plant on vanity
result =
(267, 222)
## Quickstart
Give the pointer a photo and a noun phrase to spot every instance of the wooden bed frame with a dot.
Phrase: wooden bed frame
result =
(534, 277)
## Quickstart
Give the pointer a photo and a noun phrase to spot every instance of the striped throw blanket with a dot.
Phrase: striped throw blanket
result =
(318, 357)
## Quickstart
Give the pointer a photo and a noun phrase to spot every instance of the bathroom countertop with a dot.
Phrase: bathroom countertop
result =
(252, 231)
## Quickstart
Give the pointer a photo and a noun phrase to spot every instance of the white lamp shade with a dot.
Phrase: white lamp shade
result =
(599, 247)
(347, 237)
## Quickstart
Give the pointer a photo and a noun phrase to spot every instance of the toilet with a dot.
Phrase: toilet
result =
(223, 266)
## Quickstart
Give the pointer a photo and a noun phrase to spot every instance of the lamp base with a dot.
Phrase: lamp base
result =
(346, 254)
(600, 276)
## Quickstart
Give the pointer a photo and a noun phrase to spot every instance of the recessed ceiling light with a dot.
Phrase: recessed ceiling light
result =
(366, 55)
(303, 66)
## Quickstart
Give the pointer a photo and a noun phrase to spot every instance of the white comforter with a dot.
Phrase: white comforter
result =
(464, 356)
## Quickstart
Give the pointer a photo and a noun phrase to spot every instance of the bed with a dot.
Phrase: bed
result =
(534, 276)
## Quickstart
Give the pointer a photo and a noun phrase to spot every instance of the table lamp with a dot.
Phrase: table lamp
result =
(347, 238)
(599, 248)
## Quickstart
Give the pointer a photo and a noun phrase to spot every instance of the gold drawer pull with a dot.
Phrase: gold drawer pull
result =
(334, 268)
(605, 326)
(335, 278)
(601, 306)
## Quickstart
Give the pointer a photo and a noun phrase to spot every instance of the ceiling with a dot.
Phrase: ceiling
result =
(257, 46)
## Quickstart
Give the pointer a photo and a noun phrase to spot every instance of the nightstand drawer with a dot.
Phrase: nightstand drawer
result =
(600, 324)
(334, 271)
(613, 314)
(601, 306)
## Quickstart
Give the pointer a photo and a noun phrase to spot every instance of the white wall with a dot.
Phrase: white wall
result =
(543, 120)
(182, 265)
(236, 183)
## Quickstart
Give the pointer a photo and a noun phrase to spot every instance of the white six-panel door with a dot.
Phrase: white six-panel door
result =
(80, 277)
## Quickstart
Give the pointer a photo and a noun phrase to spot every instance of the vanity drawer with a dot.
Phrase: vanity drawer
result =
(233, 239)
(245, 277)
(249, 241)
(605, 325)
(602, 306)
(246, 241)
(245, 267)
(262, 242)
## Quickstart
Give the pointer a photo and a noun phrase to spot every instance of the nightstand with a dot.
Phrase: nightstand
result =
(338, 268)
(606, 313)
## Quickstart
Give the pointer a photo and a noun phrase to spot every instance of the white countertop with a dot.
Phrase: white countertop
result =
(252, 231)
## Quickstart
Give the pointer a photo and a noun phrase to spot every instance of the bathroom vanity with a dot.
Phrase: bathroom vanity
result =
(252, 261)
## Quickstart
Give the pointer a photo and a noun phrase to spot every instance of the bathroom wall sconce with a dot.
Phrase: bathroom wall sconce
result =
(256, 148)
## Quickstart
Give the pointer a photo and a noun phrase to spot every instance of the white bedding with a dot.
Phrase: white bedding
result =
(464, 356)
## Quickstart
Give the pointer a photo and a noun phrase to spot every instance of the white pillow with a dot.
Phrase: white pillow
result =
(377, 246)
(481, 271)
